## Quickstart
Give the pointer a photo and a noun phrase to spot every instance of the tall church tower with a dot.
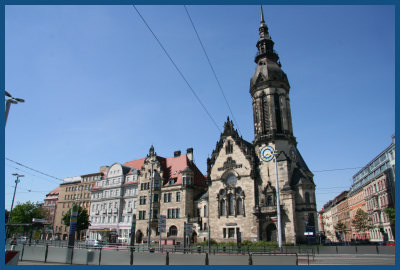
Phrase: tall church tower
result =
(242, 186)
(269, 89)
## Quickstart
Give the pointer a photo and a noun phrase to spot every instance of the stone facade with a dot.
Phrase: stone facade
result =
(50, 204)
(242, 187)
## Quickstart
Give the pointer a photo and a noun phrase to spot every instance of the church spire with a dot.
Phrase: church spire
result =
(265, 44)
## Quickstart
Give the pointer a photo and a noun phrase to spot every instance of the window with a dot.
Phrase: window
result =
(169, 213)
(172, 181)
(240, 206)
(173, 231)
(129, 204)
(205, 210)
(142, 200)
(229, 148)
(155, 213)
(222, 208)
(142, 214)
(178, 210)
(134, 204)
(173, 213)
(155, 198)
(231, 232)
(156, 183)
(167, 197)
(231, 205)
(224, 232)
(178, 196)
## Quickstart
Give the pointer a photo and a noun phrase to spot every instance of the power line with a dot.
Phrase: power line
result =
(177, 68)
(341, 169)
(212, 68)
(33, 169)
(34, 175)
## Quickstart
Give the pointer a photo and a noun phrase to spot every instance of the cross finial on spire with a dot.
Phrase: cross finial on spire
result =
(262, 14)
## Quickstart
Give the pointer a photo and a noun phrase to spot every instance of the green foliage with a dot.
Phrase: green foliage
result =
(24, 213)
(391, 214)
(340, 227)
(7, 214)
(83, 219)
(361, 221)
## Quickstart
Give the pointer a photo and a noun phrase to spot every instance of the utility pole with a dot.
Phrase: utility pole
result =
(12, 203)
(278, 203)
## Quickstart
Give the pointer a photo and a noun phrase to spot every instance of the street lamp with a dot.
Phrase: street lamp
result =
(11, 100)
(12, 203)
(267, 154)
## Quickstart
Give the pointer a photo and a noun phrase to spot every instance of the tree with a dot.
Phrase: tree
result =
(340, 229)
(7, 214)
(361, 221)
(391, 214)
(83, 219)
(23, 214)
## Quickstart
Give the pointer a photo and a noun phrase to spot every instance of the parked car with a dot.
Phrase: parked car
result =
(94, 243)
(390, 243)
(22, 240)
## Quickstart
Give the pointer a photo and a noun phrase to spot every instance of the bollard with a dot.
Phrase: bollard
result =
(308, 258)
(72, 253)
(22, 252)
(377, 250)
(207, 260)
(131, 258)
(167, 259)
(337, 252)
(356, 248)
(250, 259)
(100, 257)
(46, 252)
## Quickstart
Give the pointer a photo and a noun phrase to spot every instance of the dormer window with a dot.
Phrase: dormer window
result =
(172, 181)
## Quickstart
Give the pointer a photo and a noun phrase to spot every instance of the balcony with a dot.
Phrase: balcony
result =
(97, 212)
(115, 210)
(129, 210)
(194, 220)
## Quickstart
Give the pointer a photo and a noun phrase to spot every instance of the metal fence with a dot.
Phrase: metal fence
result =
(139, 256)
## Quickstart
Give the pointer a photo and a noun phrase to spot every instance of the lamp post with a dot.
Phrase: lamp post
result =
(267, 154)
(12, 203)
(9, 101)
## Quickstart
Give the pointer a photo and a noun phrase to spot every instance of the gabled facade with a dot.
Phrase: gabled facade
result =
(242, 186)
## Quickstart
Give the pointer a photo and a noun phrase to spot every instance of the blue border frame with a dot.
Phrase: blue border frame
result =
(193, 2)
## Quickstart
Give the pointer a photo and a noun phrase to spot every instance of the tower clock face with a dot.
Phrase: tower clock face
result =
(231, 180)
(267, 153)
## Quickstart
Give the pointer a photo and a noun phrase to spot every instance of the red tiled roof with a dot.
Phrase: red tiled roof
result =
(171, 167)
(137, 163)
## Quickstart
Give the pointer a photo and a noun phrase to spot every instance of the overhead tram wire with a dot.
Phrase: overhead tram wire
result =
(20, 164)
(34, 175)
(177, 68)
(212, 68)
(340, 169)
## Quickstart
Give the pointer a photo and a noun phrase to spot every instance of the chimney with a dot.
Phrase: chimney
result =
(177, 153)
(189, 153)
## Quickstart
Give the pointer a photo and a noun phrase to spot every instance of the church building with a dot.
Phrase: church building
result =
(242, 182)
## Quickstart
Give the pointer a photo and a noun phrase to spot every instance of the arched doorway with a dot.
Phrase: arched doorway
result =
(139, 237)
(271, 232)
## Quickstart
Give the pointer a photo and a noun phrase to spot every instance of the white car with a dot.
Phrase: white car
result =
(94, 243)
(22, 240)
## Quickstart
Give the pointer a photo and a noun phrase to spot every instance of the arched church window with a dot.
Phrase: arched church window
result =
(278, 113)
(222, 208)
(231, 206)
(307, 197)
(240, 206)
(265, 113)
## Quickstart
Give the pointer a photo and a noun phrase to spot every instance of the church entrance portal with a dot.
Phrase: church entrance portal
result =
(271, 233)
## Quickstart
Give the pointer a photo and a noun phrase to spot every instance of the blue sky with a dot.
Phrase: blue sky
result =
(99, 89)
